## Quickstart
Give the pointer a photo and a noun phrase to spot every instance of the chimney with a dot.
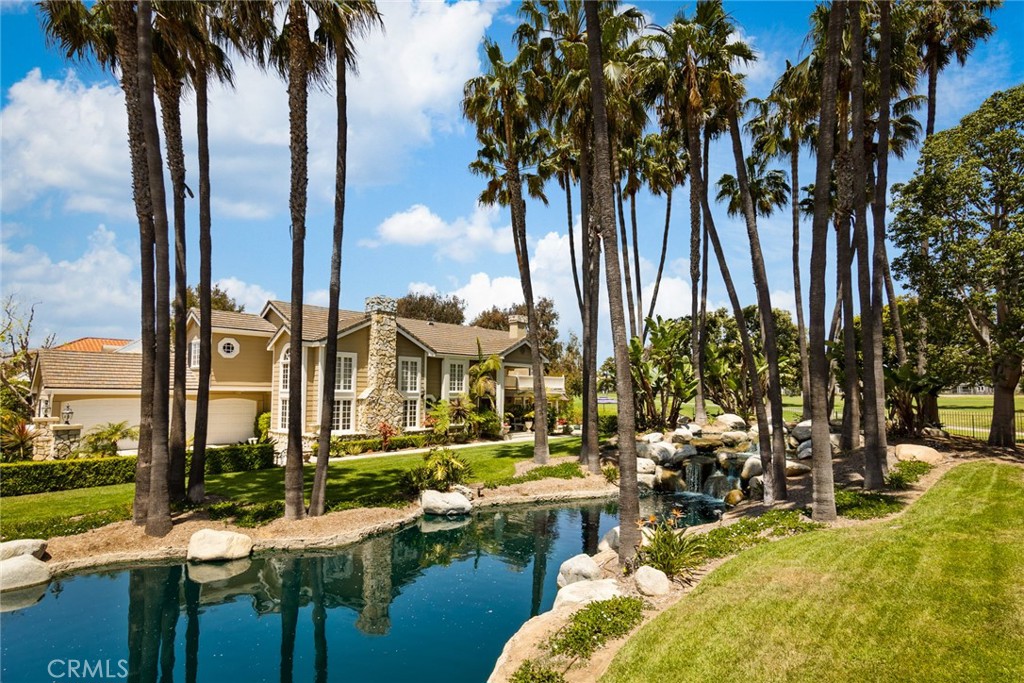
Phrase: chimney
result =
(382, 402)
(517, 326)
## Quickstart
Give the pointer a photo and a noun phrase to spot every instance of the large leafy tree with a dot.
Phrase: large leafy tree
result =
(966, 201)
(435, 307)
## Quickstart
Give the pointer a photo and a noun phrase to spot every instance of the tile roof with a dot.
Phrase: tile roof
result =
(89, 370)
(238, 321)
(93, 344)
(314, 319)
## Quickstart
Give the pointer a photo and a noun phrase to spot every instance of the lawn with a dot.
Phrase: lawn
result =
(934, 595)
(369, 481)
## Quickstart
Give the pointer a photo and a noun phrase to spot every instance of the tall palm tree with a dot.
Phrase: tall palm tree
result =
(497, 102)
(158, 516)
(823, 507)
(629, 503)
(664, 167)
(768, 188)
(339, 24)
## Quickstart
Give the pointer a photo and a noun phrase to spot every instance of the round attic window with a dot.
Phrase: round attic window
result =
(228, 347)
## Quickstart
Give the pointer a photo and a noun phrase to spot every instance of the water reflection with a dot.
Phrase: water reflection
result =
(440, 597)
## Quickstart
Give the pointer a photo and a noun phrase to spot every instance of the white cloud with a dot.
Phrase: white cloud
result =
(482, 292)
(253, 297)
(461, 239)
(94, 294)
(422, 288)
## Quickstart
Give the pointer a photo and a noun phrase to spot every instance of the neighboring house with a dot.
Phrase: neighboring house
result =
(94, 344)
(389, 368)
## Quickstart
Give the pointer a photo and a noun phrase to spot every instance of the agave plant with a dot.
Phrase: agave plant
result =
(17, 438)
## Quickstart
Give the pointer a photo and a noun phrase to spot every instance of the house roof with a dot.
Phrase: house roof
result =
(93, 344)
(441, 338)
(246, 322)
(59, 369)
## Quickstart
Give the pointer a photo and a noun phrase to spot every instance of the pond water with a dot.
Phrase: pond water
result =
(435, 601)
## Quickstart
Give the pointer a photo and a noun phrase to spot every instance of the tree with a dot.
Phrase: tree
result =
(966, 202)
(768, 188)
(220, 300)
(662, 375)
(606, 376)
(17, 361)
(496, 318)
(493, 318)
(435, 307)
(569, 364)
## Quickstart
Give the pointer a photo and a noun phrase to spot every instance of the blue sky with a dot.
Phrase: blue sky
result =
(70, 243)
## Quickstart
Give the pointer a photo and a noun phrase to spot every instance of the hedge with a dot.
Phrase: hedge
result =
(22, 478)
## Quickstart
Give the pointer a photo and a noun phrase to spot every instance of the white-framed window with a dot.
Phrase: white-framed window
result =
(341, 418)
(286, 356)
(409, 375)
(456, 377)
(411, 413)
(282, 419)
(228, 347)
(345, 373)
(193, 353)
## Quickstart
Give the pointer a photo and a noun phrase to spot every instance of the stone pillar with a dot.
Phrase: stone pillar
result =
(383, 402)
(43, 445)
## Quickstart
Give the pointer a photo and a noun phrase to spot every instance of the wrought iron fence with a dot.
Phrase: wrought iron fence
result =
(976, 424)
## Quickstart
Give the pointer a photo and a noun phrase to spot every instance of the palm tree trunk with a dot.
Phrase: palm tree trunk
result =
(636, 265)
(851, 384)
(873, 418)
(772, 442)
(158, 517)
(170, 109)
(298, 95)
(699, 412)
(631, 311)
(126, 32)
(591, 256)
(798, 295)
(929, 405)
(894, 308)
(629, 501)
(823, 506)
(197, 469)
(702, 327)
(317, 499)
(661, 259)
(572, 240)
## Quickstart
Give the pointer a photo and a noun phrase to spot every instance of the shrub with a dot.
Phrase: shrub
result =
(387, 431)
(17, 438)
(101, 441)
(17, 479)
(408, 441)
(489, 424)
(596, 624)
(671, 550)
(864, 505)
(534, 672)
(905, 473)
(608, 424)
(565, 470)
(611, 473)
(261, 429)
(441, 470)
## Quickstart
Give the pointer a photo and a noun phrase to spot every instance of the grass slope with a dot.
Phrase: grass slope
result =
(934, 595)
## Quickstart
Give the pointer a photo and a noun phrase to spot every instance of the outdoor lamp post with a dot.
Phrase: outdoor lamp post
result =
(67, 413)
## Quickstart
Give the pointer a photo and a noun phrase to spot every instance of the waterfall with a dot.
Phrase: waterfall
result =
(693, 476)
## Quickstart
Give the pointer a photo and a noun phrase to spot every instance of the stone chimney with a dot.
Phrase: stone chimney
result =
(381, 401)
(517, 326)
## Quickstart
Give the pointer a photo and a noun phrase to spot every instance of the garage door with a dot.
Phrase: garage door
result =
(96, 411)
(231, 420)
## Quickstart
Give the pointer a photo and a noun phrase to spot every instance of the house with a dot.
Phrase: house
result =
(389, 369)
(94, 344)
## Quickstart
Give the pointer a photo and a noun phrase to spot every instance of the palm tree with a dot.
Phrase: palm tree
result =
(664, 167)
(768, 188)
(629, 503)
(823, 506)
(495, 102)
(158, 516)
(339, 23)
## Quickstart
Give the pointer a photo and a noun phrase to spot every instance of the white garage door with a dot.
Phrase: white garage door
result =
(231, 420)
(96, 411)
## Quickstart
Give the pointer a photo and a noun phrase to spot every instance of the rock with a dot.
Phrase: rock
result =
(729, 421)
(791, 441)
(23, 598)
(835, 440)
(22, 571)
(796, 469)
(430, 525)
(803, 451)
(679, 455)
(578, 568)
(210, 545)
(645, 466)
(654, 437)
(802, 430)
(682, 435)
(211, 573)
(660, 452)
(910, 451)
(751, 467)
(754, 434)
(610, 540)
(735, 497)
(585, 592)
(933, 432)
(666, 480)
(651, 581)
(612, 441)
(36, 547)
(645, 481)
(717, 485)
(734, 439)
(757, 487)
(695, 429)
(437, 503)
(464, 490)
(707, 443)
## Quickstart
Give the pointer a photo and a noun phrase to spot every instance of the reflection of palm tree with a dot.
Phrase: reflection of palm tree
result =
(291, 585)
(591, 518)
(169, 609)
(542, 522)
(316, 569)
(192, 590)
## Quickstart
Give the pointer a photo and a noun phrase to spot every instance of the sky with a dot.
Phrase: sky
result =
(69, 239)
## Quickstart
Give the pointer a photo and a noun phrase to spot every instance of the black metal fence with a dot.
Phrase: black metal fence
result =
(976, 424)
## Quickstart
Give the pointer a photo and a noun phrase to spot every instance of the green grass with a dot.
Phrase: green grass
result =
(933, 596)
(354, 483)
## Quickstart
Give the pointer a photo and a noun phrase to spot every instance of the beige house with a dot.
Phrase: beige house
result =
(388, 370)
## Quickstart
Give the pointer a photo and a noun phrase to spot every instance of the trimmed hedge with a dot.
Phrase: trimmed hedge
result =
(22, 478)
(342, 446)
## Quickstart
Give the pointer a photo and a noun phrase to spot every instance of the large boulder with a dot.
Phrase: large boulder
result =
(695, 429)
(802, 431)
(717, 485)
(36, 547)
(660, 452)
(610, 540)
(653, 437)
(646, 481)
(578, 568)
(912, 451)
(751, 467)
(645, 466)
(682, 435)
(667, 480)
(730, 421)
(803, 451)
(445, 504)
(680, 454)
(735, 438)
(585, 592)
(735, 497)
(651, 581)
(211, 545)
(756, 488)
(221, 571)
(22, 571)
(796, 469)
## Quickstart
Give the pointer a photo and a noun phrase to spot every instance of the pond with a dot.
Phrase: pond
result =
(435, 601)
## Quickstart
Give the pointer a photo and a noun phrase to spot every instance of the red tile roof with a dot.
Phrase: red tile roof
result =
(93, 344)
